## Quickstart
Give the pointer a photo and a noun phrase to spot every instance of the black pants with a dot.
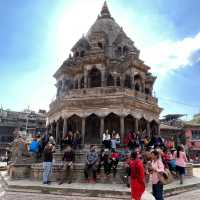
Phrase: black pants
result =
(107, 167)
(89, 168)
(114, 167)
(158, 191)
(107, 144)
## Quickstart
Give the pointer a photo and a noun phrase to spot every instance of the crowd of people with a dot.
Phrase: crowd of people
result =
(143, 157)
(151, 157)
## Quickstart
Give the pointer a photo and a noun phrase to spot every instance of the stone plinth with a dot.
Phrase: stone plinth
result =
(19, 171)
(189, 169)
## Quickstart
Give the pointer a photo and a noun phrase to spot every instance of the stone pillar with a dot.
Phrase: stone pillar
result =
(83, 131)
(122, 127)
(115, 81)
(103, 82)
(148, 129)
(85, 78)
(122, 80)
(51, 129)
(136, 125)
(158, 128)
(132, 79)
(101, 128)
(79, 83)
(64, 127)
(57, 132)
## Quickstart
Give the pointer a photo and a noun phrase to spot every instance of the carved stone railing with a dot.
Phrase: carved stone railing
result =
(105, 91)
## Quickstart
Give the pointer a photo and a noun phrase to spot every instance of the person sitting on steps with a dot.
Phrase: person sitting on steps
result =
(91, 163)
(68, 159)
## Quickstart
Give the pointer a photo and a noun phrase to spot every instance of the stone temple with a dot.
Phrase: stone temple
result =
(104, 85)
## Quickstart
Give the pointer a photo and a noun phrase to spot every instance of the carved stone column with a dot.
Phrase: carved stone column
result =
(132, 81)
(51, 129)
(79, 83)
(57, 132)
(85, 78)
(122, 80)
(83, 130)
(115, 81)
(148, 129)
(122, 127)
(136, 125)
(101, 128)
(64, 127)
(158, 128)
(103, 81)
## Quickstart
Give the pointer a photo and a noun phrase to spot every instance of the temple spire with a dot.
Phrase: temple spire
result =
(105, 11)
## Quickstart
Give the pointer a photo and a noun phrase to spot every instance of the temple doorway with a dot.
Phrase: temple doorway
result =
(129, 124)
(142, 126)
(92, 129)
(74, 124)
(112, 123)
(154, 128)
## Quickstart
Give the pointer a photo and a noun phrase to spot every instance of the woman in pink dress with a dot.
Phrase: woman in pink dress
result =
(157, 167)
(181, 160)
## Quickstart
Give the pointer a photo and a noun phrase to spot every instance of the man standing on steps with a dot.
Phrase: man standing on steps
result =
(91, 164)
(47, 162)
(68, 159)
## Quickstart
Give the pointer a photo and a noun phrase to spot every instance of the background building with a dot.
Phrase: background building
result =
(11, 121)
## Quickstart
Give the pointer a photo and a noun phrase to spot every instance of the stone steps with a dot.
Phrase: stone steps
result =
(78, 173)
(79, 190)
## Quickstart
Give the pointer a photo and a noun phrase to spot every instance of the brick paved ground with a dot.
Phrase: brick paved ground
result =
(193, 195)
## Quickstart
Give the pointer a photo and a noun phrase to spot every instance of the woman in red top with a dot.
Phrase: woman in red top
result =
(137, 177)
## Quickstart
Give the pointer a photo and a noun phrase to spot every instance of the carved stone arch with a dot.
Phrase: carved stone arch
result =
(94, 77)
(139, 86)
(92, 129)
(118, 51)
(129, 124)
(154, 128)
(125, 50)
(77, 54)
(112, 122)
(82, 53)
(74, 123)
(127, 81)
(110, 80)
(142, 125)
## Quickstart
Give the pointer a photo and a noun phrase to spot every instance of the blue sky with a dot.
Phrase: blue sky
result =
(36, 37)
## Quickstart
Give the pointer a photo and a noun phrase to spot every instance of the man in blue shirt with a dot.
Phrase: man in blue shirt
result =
(34, 148)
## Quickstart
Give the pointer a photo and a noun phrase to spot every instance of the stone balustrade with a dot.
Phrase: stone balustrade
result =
(102, 91)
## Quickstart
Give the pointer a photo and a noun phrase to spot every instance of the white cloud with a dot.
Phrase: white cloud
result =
(169, 55)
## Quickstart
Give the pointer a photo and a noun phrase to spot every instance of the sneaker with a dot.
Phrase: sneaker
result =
(69, 182)
(44, 182)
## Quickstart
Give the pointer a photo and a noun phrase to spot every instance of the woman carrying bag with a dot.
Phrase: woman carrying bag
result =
(157, 170)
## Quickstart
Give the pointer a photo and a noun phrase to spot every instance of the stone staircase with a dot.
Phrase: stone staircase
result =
(36, 170)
